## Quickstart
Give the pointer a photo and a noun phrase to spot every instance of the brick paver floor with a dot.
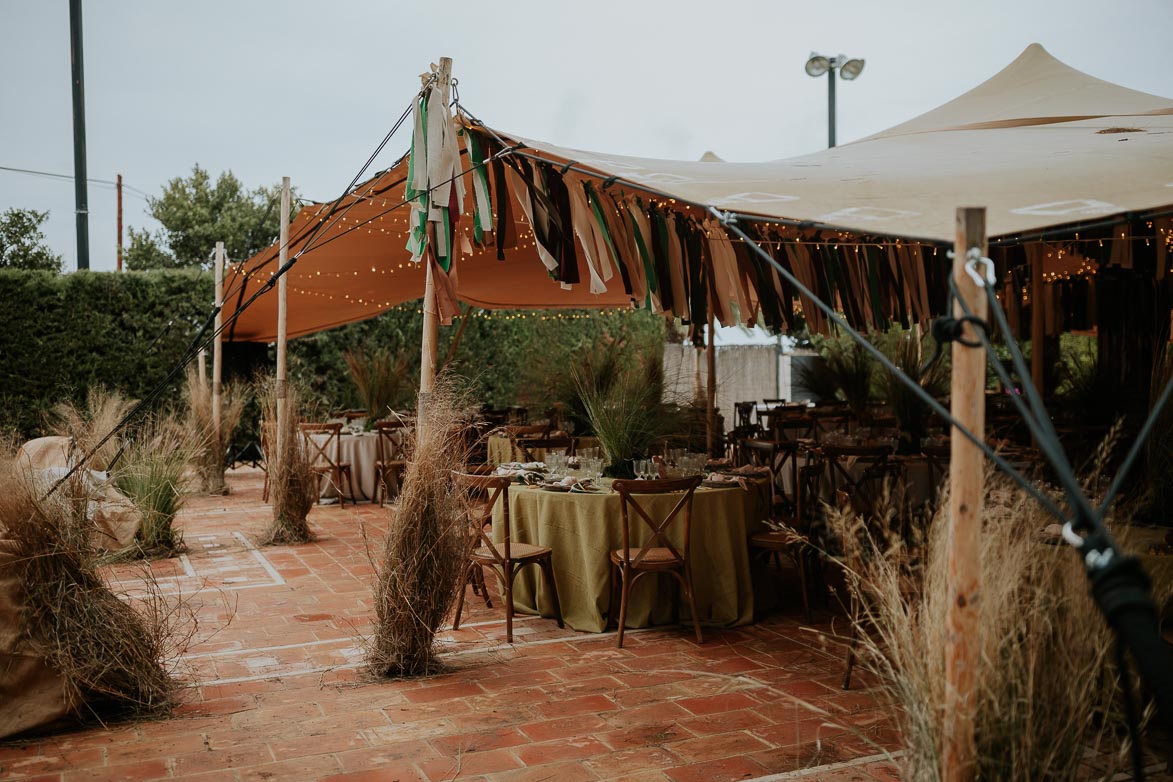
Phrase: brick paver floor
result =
(276, 688)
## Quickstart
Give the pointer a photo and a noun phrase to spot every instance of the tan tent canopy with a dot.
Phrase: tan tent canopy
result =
(1039, 144)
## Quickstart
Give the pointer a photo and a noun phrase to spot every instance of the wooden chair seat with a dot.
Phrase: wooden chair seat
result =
(519, 552)
(778, 540)
(327, 468)
(652, 557)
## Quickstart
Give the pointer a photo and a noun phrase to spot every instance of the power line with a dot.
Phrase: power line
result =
(110, 182)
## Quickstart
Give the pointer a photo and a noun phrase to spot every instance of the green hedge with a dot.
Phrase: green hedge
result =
(61, 334)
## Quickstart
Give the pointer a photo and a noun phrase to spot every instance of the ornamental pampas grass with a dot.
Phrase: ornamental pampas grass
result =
(427, 545)
(293, 484)
(1046, 688)
(152, 473)
(208, 458)
(87, 425)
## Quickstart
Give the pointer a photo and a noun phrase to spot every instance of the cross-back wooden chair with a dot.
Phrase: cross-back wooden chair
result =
(390, 456)
(861, 468)
(937, 457)
(791, 537)
(828, 419)
(523, 435)
(778, 457)
(502, 559)
(658, 554)
(789, 423)
(267, 455)
(322, 443)
(743, 413)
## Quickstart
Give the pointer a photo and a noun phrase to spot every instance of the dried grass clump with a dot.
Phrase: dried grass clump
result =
(152, 473)
(427, 545)
(1046, 691)
(87, 425)
(209, 455)
(112, 656)
(293, 484)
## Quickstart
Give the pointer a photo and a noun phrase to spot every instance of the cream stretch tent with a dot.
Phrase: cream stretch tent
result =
(1039, 144)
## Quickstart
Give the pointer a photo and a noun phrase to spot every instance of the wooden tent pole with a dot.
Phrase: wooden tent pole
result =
(218, 362)
(1037, 313)
(202, 366)
(711, 390)
(431, 315)
(963, 580)
(282, 316)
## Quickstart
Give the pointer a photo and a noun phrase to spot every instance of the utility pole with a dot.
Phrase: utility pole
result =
(79, 137)
(118, 187)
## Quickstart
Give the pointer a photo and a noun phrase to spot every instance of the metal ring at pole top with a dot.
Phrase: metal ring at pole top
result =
(974, 257)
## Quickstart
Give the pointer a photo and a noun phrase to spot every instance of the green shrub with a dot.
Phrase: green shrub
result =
(61, 335)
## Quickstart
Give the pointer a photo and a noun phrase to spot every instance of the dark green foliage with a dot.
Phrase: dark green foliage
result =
(196, 213)
(63, 334)
(22, 245)
(60, 335)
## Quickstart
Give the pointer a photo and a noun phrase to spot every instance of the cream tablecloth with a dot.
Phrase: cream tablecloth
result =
(583, 528)
(360, 451)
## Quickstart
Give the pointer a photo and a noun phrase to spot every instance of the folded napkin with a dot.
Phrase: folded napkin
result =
(721, 477)
(522, 465)
(750, 469)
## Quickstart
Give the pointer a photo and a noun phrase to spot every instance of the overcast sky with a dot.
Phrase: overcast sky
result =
(306, 89)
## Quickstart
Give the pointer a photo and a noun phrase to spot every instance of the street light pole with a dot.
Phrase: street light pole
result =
(848, 69)
(831, 106)
(81, 197)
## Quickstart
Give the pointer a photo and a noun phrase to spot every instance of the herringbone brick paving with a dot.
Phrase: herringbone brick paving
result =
(277, 690)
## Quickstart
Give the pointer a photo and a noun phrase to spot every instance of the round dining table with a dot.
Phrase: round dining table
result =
(583, 528)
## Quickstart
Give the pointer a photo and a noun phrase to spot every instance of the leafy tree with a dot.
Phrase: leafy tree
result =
(196, 213)
(22, 243)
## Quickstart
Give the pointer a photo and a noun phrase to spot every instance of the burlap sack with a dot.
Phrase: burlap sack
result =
(116, 519)
(33, 694)
(44, 453)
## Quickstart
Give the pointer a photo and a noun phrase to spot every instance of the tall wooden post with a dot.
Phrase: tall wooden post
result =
(118, 187)
(218, 367)
(1037, 314)
(202, 366)
(965, 512)
(711, 392)
(282, 328)
(431, 310)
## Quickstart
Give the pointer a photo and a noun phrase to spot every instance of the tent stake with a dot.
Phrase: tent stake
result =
(282, 328)
(218, 364)
(963, 581)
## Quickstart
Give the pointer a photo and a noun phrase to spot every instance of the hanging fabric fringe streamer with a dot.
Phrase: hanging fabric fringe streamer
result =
(435, 188)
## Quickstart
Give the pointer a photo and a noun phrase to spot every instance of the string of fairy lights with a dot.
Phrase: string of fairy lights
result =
(392, 222)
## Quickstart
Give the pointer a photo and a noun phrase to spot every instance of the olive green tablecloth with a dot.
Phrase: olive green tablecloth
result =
(500, 451)
(583, 528)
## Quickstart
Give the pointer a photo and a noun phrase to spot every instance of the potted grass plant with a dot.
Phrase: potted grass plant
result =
(910, 410)
(626, 411)
(381, 379)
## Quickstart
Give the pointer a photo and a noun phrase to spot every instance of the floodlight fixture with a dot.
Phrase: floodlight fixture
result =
(849, 70)
(817, 65)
